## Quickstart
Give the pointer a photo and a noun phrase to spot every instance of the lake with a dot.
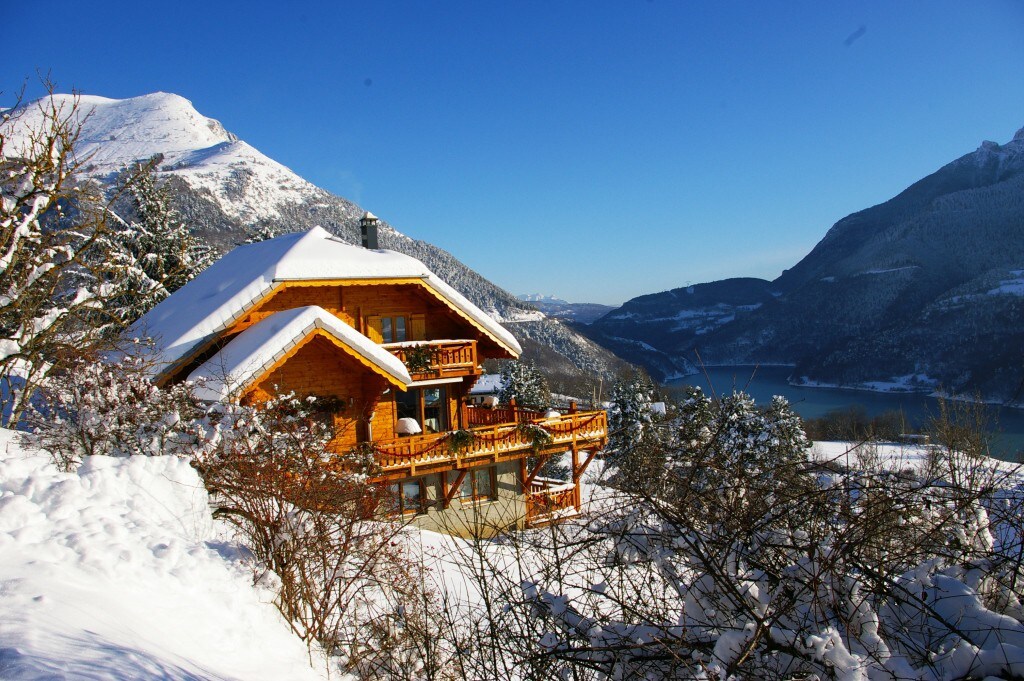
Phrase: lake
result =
(762, 383)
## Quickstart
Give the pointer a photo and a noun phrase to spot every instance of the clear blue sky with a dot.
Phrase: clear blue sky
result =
(591, 150)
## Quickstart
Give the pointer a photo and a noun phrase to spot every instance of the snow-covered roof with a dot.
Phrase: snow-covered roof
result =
(230, 287)
(254, 351)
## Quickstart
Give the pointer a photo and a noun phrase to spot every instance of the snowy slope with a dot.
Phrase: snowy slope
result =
(116, 132)
(118, 571)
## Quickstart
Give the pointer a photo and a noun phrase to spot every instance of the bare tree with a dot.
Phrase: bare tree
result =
(343, 573)
(57, 269)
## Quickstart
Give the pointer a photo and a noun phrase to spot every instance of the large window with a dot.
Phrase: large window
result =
(479, 484)
(429, 406)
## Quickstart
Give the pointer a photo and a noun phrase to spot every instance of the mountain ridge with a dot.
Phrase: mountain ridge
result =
(919, 291)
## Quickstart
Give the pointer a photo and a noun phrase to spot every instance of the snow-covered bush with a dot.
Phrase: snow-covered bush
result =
(93, 407)
(312, 521)
(57, 273)
(746, 560)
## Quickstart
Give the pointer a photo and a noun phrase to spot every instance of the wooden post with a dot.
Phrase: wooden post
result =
(450, 492)
(575, 472)
(541, 460)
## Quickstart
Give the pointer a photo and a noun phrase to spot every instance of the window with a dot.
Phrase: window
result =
(435, 413)
(410, 496)
(479, 484)
(429, 406)
(387, 328)
(393, 329)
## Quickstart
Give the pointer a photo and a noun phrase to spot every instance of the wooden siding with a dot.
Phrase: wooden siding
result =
(320, 368)
(354, 302)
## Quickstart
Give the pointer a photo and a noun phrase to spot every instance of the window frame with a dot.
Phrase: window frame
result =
(443, 405)
(491, 473)
(400, 499)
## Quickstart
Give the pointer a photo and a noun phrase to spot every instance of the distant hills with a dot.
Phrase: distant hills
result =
(923, 292)
(224, 189)
(582, 313)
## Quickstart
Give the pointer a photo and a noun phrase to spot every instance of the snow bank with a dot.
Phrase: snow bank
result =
(117, 571)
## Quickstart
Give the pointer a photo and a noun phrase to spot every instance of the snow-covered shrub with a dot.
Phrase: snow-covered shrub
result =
(57, 271)
(95, 407)
(746, 560)
(312, 520)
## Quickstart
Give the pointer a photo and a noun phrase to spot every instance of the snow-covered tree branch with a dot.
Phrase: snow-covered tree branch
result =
(55, 267)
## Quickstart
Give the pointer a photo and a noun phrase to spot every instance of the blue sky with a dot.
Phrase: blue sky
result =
(592, 150)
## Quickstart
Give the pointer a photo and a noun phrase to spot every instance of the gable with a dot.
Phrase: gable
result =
(264, 346)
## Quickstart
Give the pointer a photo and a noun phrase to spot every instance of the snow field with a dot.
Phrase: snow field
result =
(118, 571)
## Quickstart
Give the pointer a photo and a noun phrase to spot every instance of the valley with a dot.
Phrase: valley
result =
(923, 291)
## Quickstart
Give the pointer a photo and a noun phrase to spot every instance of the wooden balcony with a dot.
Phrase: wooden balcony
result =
(428, 360)
(484, 444)
(549, 501)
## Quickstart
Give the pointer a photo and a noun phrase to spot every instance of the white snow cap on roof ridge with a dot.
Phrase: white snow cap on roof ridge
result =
(227, 289)
(254, 351)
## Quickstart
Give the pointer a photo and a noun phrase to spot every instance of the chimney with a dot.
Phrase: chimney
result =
(368, 228)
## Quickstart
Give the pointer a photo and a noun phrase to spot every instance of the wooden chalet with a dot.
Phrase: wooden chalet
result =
(397, 350)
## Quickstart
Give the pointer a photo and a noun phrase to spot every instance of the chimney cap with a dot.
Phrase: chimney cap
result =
(369, 216)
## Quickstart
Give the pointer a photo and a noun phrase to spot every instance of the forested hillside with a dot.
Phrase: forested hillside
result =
(923, 292)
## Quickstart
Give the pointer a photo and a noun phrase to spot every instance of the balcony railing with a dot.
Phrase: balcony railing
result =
(483, 444)
(549, 500)
(437, 358)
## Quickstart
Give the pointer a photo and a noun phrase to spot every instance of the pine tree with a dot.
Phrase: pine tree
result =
(630, 416)
(159, 251)
(635, 447)
(523, 382)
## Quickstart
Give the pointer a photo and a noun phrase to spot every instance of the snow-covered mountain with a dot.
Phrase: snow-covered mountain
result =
(922, 291)
(244, 183)
(225, 188)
